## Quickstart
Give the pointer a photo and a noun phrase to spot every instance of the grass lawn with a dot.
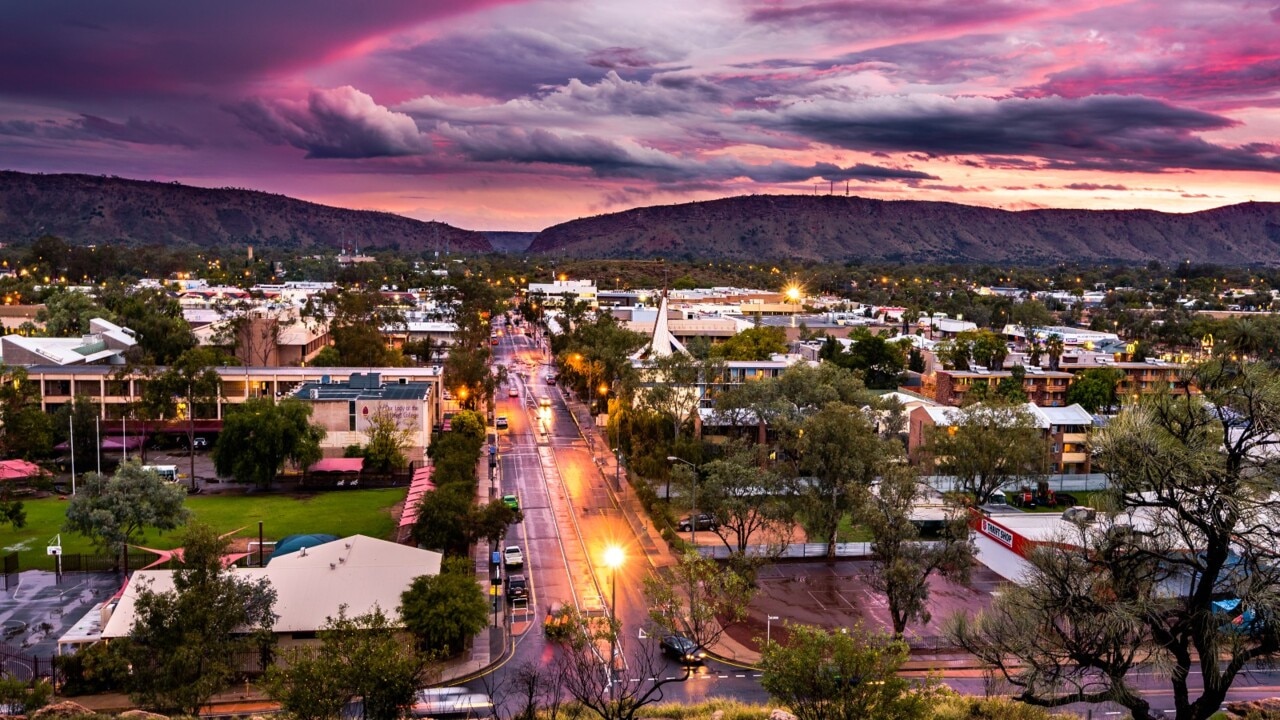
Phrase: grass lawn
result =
(367, 512)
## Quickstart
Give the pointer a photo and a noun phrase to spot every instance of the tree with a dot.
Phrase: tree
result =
(163, 334)
(1031, 315)
(846, 675)
(81, 417)
(757, 343)
(443, 611)
(842, 454)
(747, 499)
(188, 643)
(388, 441)
(988, 446)
(66, 313)
(1011, 389)
(364, 657)
(698, 598)
(903, 563)
(357, 320)
(26, 431)
(471, 376)
(250, 330)
(879, 360)
(113, 511)
(258, 437)
(1182, 573)
(1095, 389)
(183, 388)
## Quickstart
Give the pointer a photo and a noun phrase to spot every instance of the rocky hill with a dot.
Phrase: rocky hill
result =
(837, 228)
(85, 209)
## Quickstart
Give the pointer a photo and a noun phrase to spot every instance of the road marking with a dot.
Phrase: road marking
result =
(739, 675)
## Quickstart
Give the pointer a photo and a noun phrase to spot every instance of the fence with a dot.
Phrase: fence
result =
(25, 667)
(10, 570)
(1058, 483)
(794, 551)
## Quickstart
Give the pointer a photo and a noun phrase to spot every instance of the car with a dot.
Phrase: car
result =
(512, 501)
(512, 556)
(704, 522)
(517, 588)
(682, 649)
(200, 443)
(450, 702)
(501, 422)
(513, 391)
(551, 379)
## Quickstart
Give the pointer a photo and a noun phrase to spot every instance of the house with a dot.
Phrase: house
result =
(1043, 387)
(1064, 430)
(310, 585)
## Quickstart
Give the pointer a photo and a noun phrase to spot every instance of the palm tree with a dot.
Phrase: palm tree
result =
(1053, 346)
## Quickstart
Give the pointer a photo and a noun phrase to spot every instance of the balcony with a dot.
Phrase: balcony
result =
(1074, 457)
(1075, 437)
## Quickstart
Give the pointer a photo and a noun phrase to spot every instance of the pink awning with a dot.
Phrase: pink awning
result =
(19, 469)
(338, 465)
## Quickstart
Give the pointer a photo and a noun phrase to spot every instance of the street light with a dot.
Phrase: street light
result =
(613, 559)
(693, 514)
(768, 627)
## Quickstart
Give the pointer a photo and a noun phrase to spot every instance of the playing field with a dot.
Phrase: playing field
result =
(367, 512)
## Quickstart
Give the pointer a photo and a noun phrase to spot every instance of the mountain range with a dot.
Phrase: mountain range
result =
(85, 209)
(836, 228)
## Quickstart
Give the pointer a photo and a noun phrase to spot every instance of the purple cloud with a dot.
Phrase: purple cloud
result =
(337, 123)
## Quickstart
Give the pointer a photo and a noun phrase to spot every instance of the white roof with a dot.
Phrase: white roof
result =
(1069, 415)
(663, 343)
(310, 585)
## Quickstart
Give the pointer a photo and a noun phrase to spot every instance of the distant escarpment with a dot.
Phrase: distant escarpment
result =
(834, 228)
(84, 209)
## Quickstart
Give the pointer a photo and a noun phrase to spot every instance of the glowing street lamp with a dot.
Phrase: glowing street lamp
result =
(614, 556)
(793, 293)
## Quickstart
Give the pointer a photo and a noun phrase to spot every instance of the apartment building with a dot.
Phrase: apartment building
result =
(1064, 431)
(1046, 388)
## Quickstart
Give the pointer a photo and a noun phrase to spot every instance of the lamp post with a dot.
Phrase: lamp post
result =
(613, 559)
(617, 469)
(768, 628)
(693, 511)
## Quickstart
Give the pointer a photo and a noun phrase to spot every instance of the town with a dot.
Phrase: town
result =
(513, 487)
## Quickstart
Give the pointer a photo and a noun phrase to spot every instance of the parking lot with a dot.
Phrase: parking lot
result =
(838, 595)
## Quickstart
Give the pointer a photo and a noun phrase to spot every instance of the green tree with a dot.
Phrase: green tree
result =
(879, 360)
(442, 611)
(698, 598)
(846, 675)
(903, 563)
(746, 497)
(81, 414)
(1011, 389)
(258, 437)
(363, 658)
(26, 431)
(183, 389)
(113, 511)
(842, 454)
(357, 320)
(988, 446)
(388, 440)
(757, 343)
(1095, 389)
(188, 643)
(67, 313)
(163, 334)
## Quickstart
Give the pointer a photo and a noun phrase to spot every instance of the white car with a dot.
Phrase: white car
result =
(512, 556)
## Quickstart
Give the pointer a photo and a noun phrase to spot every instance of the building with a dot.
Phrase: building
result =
(268, 336)
(105, 344)
(311, 585)
(1071, 336)
(345, 410)
(553, 294)
(1047, 388)
(1065, 431)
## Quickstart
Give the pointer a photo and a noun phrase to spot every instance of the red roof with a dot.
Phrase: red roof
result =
(19, 469)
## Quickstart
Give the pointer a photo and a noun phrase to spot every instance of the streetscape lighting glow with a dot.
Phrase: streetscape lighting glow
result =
(614, 557)
(793, 293)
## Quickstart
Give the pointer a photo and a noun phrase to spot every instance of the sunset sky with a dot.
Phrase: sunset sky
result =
(514, 115)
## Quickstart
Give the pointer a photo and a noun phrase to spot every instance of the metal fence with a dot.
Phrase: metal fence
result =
(794, 551)
(26, 667)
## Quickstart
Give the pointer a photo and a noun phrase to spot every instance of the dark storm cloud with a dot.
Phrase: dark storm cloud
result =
(86, 48)
(509, 63)
(1128, 134)
(91, 127)
(609, 158)
(338, 123)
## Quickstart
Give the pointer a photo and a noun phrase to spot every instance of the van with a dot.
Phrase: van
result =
(451, 702)
(166, 472)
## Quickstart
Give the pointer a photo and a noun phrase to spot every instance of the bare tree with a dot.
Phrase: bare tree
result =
(590, 681)
(698, 597)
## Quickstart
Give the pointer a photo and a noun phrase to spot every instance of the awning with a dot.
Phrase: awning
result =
(19, 469)
(338, 465)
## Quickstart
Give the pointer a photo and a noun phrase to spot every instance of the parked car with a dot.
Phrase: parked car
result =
(512, 501)
(200, 443)
(517, 588)
(682, 649)
(512, 556)
(703, 521)
(501, 422)
(449, 702)
(513, 391)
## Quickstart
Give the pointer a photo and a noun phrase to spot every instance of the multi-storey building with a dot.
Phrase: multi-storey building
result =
(1047, 388)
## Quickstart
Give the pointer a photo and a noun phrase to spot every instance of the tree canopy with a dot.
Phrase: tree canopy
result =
(258, 437)
(113, 511)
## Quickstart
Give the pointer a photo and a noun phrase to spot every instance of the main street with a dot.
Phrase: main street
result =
(570, 517)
